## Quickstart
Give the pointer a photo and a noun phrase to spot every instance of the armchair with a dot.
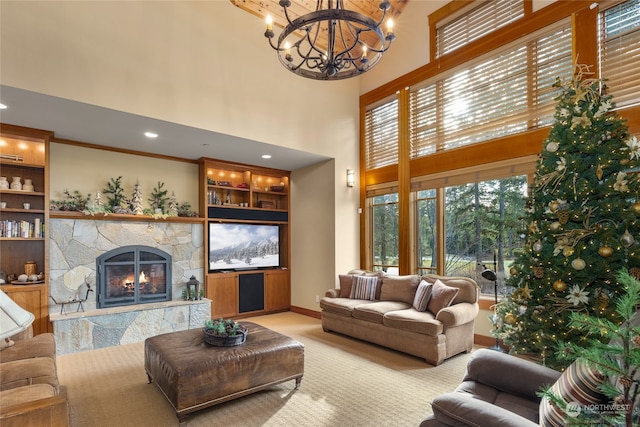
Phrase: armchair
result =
(497, 390)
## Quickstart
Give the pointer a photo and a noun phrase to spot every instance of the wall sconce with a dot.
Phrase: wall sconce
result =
(351, 178)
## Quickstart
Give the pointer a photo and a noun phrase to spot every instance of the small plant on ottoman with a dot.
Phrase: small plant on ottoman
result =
(224, 332)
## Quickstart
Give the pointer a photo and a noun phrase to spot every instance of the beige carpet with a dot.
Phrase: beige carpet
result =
(346, 383)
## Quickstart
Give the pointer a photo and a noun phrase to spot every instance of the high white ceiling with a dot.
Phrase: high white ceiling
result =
(91, 124)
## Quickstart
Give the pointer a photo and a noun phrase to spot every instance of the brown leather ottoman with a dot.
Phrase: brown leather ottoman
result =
(194, 375)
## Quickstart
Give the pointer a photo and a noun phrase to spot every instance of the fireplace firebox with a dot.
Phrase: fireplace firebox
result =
(133, 275)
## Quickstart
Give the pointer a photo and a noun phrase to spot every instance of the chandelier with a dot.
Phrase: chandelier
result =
(331, 43)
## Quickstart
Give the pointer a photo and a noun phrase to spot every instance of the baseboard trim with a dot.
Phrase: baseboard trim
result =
(306, 312)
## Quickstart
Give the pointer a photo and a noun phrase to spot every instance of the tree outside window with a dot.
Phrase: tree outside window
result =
(385, 231)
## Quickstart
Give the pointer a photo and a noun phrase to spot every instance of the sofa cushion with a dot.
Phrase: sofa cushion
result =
(364, 287)
(343, 306)
(578, 384)
(522, 406)
(25, 394)
(37, 370)
(412, 320)
(441, 296)
(346, 283)
(374, 311)
(399, 288)
(469, 289)
(423, 295)
(42, 345)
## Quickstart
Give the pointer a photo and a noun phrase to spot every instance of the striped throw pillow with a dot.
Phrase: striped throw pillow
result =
(578, 386)
(364, 287)
(423, 294)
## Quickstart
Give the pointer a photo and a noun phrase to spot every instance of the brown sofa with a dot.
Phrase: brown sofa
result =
(391, 318)
(29, 389)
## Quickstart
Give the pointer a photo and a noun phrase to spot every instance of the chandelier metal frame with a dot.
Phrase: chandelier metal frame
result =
(346, 54)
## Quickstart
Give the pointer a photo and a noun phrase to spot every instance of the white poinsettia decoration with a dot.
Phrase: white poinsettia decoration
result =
(577, 295)
(581, 120)
(561, 244)
(562, 164)
(634, 147)
(621, 182)
(604, 107)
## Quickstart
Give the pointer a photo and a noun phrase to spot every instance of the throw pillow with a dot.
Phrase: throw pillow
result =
(423, 295)
(578, 386)
(364, 287)
(441, 296)
(346, 283)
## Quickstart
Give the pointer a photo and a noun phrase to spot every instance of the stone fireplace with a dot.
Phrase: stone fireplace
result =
(134, 274)
(167, 252)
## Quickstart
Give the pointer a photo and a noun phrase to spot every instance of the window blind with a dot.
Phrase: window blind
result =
(381, 135)
(504, 93)
(476, 21)
(620, 51)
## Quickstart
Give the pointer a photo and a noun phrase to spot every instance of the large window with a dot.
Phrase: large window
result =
(384, 212)
(474, 22)
(620, 51)
(503, 94)
(381, 134)
(426, 224)
(483, 227)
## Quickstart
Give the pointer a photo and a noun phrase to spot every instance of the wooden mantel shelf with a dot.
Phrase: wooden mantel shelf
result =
(122, 217)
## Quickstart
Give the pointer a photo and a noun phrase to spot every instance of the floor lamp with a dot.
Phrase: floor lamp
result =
(491, 275)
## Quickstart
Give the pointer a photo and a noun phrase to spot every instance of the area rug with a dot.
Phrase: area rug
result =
(347, 383)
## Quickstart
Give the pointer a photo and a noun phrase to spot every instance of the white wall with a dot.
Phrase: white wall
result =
(201, 64)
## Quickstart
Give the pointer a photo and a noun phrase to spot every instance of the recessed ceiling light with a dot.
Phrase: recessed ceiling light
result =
(151, 134)
(3, 107)
(266, 156)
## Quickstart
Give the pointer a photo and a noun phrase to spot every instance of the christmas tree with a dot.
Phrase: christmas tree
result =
(581, 218)
(136, 199)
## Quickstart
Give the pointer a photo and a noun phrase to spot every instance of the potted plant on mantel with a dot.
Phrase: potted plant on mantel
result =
(224, 332)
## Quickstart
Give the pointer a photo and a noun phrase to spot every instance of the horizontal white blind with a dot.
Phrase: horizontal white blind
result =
(381, 135)
(620, 51)
(501, 94)
(479, 20)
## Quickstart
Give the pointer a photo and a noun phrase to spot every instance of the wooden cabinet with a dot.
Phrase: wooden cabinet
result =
(33, 298)
(222, 290)
(277, 292)
(229, 293)
(24, 216)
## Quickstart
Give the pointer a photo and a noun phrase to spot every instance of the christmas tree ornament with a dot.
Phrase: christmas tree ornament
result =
(552, 147)
(627, 239)
(510, 318)
(605, 251)
(554, 205)
(636, 207)
(559, 285)
(578, 264)
(635, 272)
(513, 271)
(555, 226)
(537, 246)
(563, 216)
(538, 272)
(567, 251)
(599, 172)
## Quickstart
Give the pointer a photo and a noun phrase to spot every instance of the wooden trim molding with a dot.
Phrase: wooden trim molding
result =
(306, 312)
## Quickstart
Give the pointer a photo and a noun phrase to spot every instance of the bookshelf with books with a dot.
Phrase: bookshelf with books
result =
(24, 215)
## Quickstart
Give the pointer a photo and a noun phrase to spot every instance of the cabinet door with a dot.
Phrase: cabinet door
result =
(277, 293)
(222, 290)
(32, 298)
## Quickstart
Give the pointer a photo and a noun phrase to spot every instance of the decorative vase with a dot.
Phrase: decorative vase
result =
(225, 341)
(4, 184)
(16, 184)
(28, 185)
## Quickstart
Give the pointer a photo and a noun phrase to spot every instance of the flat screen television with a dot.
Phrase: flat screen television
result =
(241, 246)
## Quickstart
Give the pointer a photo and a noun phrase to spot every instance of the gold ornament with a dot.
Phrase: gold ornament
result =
(605, 251)
(555, 226)
(538, 272)
(513, 271)
(559, 285)
(563, 216)
(578, 264)
(627, 239)
(510, 318)
(636, 207)
(567, 251)
(553, 205)
(599, 172)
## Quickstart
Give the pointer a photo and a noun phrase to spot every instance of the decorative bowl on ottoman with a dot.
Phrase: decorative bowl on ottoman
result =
(224, 332)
